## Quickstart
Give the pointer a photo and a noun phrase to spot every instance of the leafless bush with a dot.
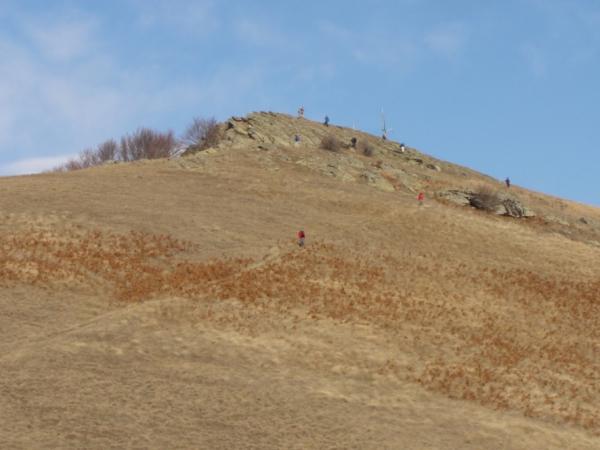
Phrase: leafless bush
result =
(331, 143)
(202, 134)
(70, 165)
(146, 143)
(107, 151)
(143, 144)
(485, 198)
(90, 157)
(366, 149)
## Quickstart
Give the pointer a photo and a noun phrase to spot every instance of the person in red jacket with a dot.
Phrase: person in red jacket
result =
(420, 198)
(301, 237)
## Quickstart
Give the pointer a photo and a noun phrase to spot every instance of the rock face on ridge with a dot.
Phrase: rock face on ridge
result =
(281, 137)
(387, 165)
(503, 205)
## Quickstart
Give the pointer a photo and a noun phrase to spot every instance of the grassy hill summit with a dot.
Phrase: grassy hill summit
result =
(165, 303)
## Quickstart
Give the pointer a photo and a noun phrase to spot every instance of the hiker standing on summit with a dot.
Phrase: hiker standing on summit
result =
(326, 121)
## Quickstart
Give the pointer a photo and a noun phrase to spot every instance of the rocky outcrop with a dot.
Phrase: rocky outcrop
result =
(433, 167)
(514, 208)
(387, 166)
(554, 219)
(377, 181)
(456, 196)
(498, 203)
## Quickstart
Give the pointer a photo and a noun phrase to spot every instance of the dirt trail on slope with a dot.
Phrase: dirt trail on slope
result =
(147, 376)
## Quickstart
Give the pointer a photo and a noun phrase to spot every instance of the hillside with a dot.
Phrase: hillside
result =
(165, 303)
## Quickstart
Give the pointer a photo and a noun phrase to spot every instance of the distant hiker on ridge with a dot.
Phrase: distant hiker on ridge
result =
(507, 181)
(402, 147)
(420, 198)
(301, 111)
(353, 142)
(301, 237)
(326, 122)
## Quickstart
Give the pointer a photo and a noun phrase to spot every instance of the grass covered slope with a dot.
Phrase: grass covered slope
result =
(165, 303)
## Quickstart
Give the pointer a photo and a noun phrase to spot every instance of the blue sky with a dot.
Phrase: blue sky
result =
(509, 88)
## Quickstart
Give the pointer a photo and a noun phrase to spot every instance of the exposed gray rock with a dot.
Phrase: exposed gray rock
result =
(499, 203)
(458, 197)
(376, 180)
(514, 208)
(555, 219)
(114, 161)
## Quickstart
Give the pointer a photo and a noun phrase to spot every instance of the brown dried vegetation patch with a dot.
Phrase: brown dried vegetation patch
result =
(511, 339)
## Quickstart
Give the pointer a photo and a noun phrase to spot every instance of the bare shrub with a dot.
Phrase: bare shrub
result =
(87, 158)
(366, 149)
(485, 198)
(143, 144)
(107, 151)
(70, 165)
(146, 143)
(331, 143)
(202, 134)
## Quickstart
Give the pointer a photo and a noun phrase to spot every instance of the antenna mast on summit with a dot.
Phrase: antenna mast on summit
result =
(384, 130)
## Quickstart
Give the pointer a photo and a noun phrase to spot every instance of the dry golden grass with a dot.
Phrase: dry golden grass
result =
(530, 343)
(179, 282)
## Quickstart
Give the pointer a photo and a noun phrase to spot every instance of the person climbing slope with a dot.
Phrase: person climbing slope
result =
(301, 237)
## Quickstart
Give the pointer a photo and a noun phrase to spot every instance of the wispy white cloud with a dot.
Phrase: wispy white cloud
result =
(568, 35)
(225, 90)
(33, 165)
(372, 46)
(385, 53)
(7, 123)
(448, 40)
(55, 106)
(62, 89)
(402, 50)
(313, 72)
(64, 40)
(40, 98)
(190, 16)
(334, 31)
(255, 32)
(535, 59)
